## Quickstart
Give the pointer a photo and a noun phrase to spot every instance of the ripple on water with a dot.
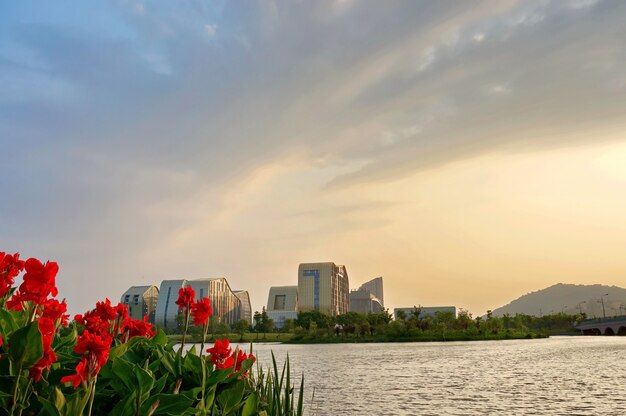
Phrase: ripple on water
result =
(556, 376)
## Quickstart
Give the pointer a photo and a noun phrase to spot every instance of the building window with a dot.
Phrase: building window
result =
(136, 299)
(279, 302)
(126, 299)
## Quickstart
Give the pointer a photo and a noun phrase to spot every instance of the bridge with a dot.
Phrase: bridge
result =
(615, 325)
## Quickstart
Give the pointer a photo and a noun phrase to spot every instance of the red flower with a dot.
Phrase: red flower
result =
(81, 376)
(0, 340)
(201, 311)
(96, 353)
(241, 357)
(47, 329)
(185, 297)
(49, 358)
(105, 311)
(137, 328)
(15, 302)
(10, 267)
(122, 311)
(221, 354)
(39, 280)
(55, 310)
(94, 345)
(78, 318)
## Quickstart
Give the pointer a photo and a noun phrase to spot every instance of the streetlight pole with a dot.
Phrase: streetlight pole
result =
(602, 300)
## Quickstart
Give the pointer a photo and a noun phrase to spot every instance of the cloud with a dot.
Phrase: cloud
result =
(130, 134)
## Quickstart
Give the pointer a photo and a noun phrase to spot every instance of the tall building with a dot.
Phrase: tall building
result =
(363, 301)
(282, 304)
(141, 301)
(323, 287)
(225, 304)
(375, 287)
(246, 306)
(167, 309)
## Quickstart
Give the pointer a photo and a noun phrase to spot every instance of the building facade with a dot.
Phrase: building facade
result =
(227, 307)
(141, 301)
(375, 287)
(282, 304)
(323, 287)
(246, 306)
(363, 301)
(167, 309)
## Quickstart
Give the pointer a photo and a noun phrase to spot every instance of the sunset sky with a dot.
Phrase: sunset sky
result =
(468, 152)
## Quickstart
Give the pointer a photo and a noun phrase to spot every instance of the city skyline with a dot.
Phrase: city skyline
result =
(468, 152)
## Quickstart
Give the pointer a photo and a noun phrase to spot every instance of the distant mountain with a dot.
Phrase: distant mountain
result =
(569, 299)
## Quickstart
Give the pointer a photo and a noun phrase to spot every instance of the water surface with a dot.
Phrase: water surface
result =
(555, 376)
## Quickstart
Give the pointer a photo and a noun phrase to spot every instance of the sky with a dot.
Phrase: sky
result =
(468, 152)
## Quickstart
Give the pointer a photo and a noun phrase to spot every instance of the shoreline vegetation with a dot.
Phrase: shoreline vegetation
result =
(317, 328)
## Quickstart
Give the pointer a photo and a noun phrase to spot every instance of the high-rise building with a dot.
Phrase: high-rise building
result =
(167, 309)
(225, 304)
(141, 301)
(375, 287)
(246, 306)
(282, 304)
(363, 301)
(323, 287)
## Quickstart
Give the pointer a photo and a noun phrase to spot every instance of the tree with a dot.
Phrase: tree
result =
(241, 327)
(401, 315)
(257, 323)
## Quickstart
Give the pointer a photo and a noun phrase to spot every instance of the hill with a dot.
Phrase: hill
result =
(570, 299)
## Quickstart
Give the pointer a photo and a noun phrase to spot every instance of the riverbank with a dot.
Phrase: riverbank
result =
(420, 338)
(289, 338)
(247, 338)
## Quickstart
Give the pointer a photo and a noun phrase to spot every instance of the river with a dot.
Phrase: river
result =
(555, 376)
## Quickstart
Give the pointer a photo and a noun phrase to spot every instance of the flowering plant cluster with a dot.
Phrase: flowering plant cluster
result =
(105, 362)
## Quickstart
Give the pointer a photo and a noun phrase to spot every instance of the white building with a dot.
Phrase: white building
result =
(282, 304)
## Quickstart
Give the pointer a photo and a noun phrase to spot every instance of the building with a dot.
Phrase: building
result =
(375, 287)
(225, 304)
(141, 301)
(246, 306)
(167, 309)
(363, 301)
(282, 304)
(425, 311)
(323, 287)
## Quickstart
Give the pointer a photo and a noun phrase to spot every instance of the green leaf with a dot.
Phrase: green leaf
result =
(123, 371)
(169, 404)
(218, 376)
(246, 365)
(126, 407)
(160, 338)
(231, 396)
(25, 345)
(160, 385)
(9, 321)
(249, 407)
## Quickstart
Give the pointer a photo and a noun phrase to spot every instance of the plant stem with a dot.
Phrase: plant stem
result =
(16, 388)
(182, 344)
(92, 394)
(204, 329)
